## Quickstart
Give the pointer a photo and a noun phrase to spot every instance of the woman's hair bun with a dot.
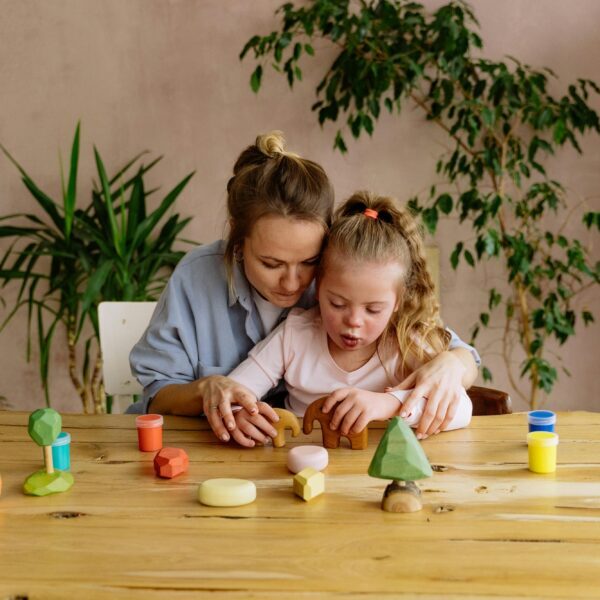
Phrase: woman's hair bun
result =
(271, 144)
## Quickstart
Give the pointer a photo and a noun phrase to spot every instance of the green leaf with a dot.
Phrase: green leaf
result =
(339, 143)
(488, 116)
(255, 78)
(455, 256)
(591, 219)
(445, 203)
(588, 317)
(469, 258)
(114, 228)
(95, 283)
(430, 219)
(70, 197)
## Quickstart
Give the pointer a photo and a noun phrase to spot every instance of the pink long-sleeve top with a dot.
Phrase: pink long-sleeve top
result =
(297, 351)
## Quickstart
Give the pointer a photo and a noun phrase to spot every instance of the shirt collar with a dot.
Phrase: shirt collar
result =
(241, 287)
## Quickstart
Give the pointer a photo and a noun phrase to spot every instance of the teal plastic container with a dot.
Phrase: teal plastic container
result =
(61, 452)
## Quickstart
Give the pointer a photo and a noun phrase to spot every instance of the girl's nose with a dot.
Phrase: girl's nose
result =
(353, 319)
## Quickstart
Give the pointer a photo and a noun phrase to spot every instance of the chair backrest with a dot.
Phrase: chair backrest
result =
(121, 326)
(487, 401)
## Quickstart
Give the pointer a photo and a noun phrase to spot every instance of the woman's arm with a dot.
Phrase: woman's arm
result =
(461, 418)
(439, 382)
(211, 396)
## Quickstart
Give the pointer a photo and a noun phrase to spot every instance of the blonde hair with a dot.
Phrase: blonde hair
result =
(393, 236)
(268, 180)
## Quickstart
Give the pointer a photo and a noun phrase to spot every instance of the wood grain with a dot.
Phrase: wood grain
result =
(488, 528)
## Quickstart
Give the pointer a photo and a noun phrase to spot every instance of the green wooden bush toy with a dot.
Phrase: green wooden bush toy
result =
(400, 457)
(44, 426)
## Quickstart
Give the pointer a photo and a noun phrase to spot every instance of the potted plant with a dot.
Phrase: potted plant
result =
(502, 123)
(72, 258)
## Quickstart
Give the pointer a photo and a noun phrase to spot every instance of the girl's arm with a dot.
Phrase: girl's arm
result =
(265, 365)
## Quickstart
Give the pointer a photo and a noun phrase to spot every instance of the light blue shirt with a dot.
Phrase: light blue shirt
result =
(199, 328)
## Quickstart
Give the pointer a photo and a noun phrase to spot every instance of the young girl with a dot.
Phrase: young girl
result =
(376, 322)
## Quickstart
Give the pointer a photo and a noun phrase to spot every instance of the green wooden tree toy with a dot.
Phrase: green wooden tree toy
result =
(44, 426)
(400, 457)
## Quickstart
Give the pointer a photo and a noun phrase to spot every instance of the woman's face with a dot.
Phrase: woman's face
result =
(280, 257)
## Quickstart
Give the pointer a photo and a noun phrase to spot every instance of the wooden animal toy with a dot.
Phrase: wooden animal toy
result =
(287, 420)
(309, 483)
(44, 426)
(400, 457)
(170, 462)
(331, 439)
(226, 492)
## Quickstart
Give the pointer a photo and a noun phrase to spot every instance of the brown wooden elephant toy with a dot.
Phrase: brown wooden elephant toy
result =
(287, 420)
(331, 439)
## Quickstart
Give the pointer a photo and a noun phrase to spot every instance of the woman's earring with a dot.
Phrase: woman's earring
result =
(238, 255)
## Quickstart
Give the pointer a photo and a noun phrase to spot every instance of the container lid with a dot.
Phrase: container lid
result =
(149, 421)
(541, 417)
(542, 438)
(63, 439)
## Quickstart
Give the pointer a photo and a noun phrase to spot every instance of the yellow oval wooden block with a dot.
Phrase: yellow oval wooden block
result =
(226, 492)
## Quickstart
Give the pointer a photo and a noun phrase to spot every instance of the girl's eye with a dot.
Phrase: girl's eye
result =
(337, 305)
(373, 311)
(311, 263)
(270, 266)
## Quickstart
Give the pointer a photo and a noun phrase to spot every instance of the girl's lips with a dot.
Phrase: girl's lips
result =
(349, 340)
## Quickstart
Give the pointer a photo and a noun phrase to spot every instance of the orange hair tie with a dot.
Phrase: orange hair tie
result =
(370, 212)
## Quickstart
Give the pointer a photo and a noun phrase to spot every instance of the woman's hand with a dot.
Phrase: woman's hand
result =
(218, 393)
(357, 408)
(440, 382)
(256, 427)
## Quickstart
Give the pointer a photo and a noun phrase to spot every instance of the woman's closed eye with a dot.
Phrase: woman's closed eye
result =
(313, 262)
(271, 265)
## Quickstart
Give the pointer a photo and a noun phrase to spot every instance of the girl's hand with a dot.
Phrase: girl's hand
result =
(257, 427)
(357, 408)
(439, 381)
(218, 393)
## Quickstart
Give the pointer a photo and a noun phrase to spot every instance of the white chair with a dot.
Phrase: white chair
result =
(121, 325)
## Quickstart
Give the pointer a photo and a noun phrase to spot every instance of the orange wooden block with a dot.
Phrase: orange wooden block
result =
(170, 462)
(331, 438)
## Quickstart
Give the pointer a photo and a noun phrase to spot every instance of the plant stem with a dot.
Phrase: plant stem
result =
(72, 347)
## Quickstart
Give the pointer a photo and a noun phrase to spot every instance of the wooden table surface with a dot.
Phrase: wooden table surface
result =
(488, 528)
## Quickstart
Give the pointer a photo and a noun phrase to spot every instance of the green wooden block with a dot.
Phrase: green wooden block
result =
(399, 455)
(41, 483)
(44, 426)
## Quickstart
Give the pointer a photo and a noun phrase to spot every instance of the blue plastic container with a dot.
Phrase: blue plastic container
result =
(61, 452)
(541, 420)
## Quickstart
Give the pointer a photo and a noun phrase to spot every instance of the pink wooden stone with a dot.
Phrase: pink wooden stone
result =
(170, 462)
(300, 457)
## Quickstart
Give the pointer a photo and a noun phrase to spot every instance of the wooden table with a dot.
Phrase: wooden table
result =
(489, 527)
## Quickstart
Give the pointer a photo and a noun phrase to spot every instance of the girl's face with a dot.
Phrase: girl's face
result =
(280, 257)
(357, 300)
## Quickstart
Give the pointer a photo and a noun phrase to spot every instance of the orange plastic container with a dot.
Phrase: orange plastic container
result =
(150, 429)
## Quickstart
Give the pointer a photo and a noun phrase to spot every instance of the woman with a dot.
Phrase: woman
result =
(225, 297)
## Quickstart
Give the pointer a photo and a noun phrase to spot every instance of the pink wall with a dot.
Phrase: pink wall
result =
(164, 75)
